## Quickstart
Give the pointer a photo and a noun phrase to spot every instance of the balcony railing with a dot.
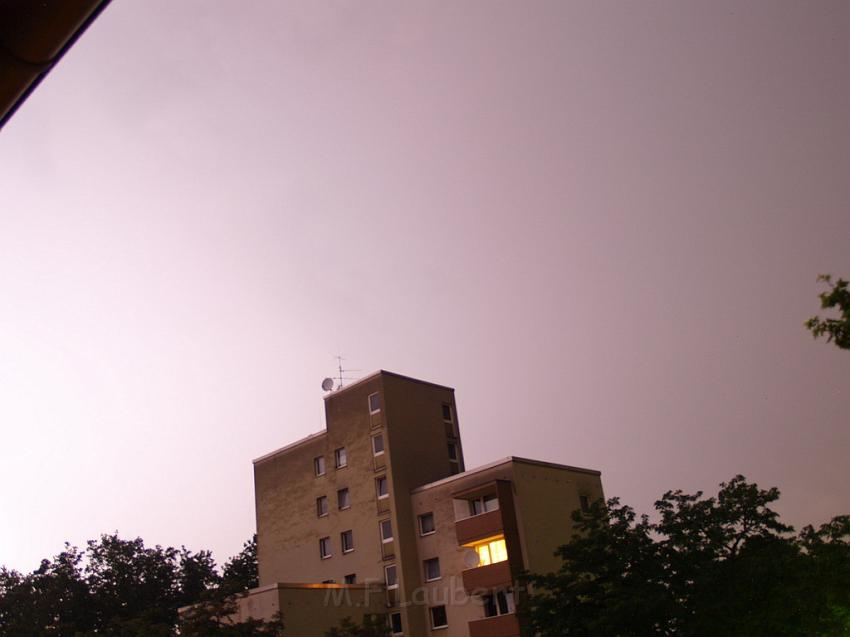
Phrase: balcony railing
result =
(502, 626)
(486, 578)
(479, 527)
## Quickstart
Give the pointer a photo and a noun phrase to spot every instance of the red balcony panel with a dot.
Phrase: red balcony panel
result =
(486, 578)
(503, 626)
(479, 527)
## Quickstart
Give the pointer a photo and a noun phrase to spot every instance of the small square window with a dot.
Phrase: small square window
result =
(432, 569)
(347, 541)
(343, 499)
(340, 458)
(322, 506)
(378, 444)
(438, 617)
(374, 403)
(391, 576)
(395, 624)
(319, 465)
(382, 487)
(426, 524)
(386, 531)
(325, 547)
(584, 502)
(447, 412)
(351, 578)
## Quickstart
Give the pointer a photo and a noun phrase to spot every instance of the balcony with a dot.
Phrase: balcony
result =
(486, 578)
(502, 626)
(479, 526)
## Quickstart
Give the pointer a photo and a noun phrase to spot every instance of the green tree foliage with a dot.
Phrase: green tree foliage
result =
(240, 572)
(122, 588)
(371, 626)
(835, 329)
(214, 618)
(709, 566)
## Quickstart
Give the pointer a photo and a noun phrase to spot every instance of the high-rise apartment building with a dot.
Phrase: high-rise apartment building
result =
(377, 513)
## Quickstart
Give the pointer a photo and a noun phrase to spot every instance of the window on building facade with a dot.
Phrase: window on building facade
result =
(584, 502)
(438, 617)
(447, 412)
(395, 623)
(340, 458)
(374, 403)
(378, 444)
(483, 505)
(381, 487)
(453, 451)
(491, 551)
(386, 531)
(432, 569)
(426, 524)
(391, 576)
(325, 547)
(343, 499)
(322, 506)
(347, 541)
(351, 578)
(319, 465)
(498, 603)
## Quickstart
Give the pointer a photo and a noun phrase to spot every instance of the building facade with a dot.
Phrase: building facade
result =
(380, 505)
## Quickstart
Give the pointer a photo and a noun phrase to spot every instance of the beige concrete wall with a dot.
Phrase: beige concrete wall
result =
(546, 497)
(309, 611)
(286, 489)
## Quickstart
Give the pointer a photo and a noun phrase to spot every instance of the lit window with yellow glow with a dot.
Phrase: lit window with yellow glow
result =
(491, 551)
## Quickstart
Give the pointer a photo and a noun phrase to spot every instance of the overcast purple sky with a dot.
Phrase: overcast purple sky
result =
(601, 222)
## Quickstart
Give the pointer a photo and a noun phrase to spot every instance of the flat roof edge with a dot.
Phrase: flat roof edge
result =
(290, 446)
(496, 463)
(383, 372)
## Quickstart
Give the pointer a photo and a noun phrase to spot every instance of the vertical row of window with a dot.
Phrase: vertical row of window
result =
(454, 456)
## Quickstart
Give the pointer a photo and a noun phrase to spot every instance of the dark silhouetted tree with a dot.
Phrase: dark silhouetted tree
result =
(710, 566)
(370, 626)
(836, 330)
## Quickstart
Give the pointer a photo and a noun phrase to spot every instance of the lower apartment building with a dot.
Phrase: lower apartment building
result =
(378, 514)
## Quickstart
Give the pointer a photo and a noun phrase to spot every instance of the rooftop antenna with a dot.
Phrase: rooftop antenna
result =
(328, 383)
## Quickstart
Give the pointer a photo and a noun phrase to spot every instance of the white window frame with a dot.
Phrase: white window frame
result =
(425, 569)
(325, 542)
(369, 403)
(400, 624)
(378, 490)
(337, 456)
(433, 521)
(431, 617)
(387, 579)
(342, 541)
(381, 452)
(316, 461)
(385, 540)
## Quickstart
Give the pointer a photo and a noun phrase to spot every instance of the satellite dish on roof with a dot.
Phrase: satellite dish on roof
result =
(328, 384)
